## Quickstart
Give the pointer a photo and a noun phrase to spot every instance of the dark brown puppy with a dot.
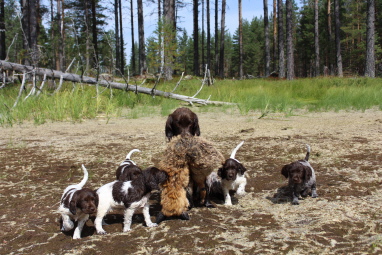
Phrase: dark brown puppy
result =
(182, 121)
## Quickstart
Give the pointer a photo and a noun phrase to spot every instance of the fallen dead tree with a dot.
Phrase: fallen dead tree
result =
(90, 80)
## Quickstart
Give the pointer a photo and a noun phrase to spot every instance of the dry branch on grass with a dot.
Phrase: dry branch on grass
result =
(92, 81)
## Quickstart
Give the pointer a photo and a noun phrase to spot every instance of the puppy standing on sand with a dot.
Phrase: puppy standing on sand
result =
(301, 178)
(232, 175)
(129, 195)
(76, 204)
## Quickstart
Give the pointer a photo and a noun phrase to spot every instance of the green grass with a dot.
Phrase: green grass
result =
(82, 102)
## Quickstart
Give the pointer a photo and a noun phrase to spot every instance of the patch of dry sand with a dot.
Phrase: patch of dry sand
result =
(38, 162)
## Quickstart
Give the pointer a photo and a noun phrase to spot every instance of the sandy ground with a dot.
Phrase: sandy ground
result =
(38, 162)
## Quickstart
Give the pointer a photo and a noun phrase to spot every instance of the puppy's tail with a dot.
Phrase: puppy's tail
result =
(307, 152)
(236, 149)
(85, 179)
(131, 153)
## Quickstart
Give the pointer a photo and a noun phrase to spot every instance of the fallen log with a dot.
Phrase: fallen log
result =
(92, 81)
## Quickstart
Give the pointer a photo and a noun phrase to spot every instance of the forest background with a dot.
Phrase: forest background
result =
(305, 39)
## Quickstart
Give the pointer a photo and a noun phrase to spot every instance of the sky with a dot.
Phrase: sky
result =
(250, 9)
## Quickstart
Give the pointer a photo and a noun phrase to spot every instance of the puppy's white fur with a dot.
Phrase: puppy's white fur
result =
(238, 185)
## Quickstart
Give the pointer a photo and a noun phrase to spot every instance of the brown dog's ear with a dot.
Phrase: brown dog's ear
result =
(73, 204)
(307, 173)
(168, 128)
(195, 127)
(285, 171)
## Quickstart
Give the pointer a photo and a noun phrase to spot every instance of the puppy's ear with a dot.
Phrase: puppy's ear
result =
(285, 171)
(220, 172)
(195, 127)
(168, 128)
(242, 169)
(307, 173)
(96, 199)
(73, 204)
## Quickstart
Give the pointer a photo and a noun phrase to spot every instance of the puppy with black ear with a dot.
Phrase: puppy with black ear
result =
(129, 195)
(128, 170)
(76, 205)
(301, 178)
(232, 175)
(182, 121)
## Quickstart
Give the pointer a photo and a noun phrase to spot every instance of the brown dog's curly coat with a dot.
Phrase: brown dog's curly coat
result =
(186, 158)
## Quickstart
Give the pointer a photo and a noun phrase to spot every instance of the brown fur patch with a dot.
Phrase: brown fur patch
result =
(184, 157)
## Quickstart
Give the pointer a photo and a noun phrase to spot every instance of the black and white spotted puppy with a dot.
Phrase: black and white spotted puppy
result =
(301, 178)
(76, 205)
(128, 170)
(129, 195)
(233, 177)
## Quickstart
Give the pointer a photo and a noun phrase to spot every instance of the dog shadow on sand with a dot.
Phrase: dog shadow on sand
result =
(282, 195)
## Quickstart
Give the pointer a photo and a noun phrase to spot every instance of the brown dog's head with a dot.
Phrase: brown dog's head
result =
(296, 172)
(85, 199)
(230, 169)
(182, 121)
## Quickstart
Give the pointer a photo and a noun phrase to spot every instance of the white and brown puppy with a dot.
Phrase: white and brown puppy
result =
(76, 205)
(301, 178)
(128, 170)
(233, 176)
(129, 195)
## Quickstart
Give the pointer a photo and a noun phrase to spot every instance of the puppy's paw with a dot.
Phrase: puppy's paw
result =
(151, 225)
(102, 232)
(67, 226)
(126, 230)
(295, 202)
(75, 236)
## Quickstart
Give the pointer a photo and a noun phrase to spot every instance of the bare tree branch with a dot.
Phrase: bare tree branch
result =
(89, 80)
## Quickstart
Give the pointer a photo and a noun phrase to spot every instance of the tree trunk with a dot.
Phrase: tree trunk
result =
(203, 36)
(266, 38)
(222, 38)
(281, 38)
(316, 41)
(3, 51)
(87, 34)
(338, 37)
(216, 37)
(116, 33)
(141, 32)
(95, 35)
(370, 40)
(30, 12)
(289, 40)
(329, 59)
(196, 37)
(133, 64)
(208, 36)
(274, 35)
(52, 35)
(169, 37)
(122, 51)
(241, 74)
